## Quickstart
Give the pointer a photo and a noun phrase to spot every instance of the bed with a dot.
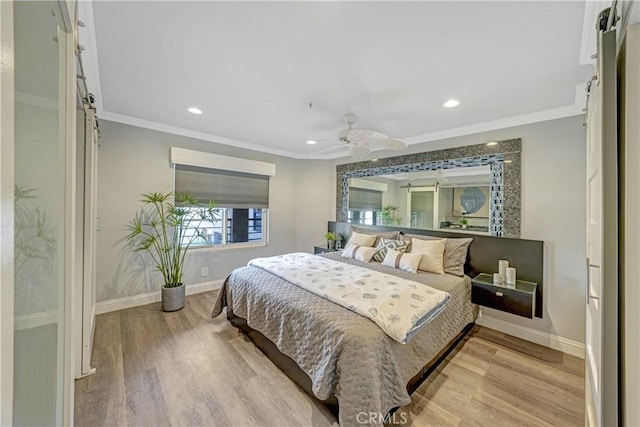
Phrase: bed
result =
(340, 357)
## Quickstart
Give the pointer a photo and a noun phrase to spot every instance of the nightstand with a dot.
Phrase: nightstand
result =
(322, 250)
(517, 299)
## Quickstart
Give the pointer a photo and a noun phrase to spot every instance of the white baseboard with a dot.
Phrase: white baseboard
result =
(555, 342)
(151, 297)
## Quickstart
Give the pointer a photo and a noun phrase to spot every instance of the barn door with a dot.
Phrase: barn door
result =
(601, 341)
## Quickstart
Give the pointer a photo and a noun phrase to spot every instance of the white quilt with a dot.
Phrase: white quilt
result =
(400, 307)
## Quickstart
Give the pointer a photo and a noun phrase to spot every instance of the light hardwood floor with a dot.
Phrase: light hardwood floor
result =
(186, 369)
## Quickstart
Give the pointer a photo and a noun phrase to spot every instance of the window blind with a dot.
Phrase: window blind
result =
(227, 189)
(364, 200)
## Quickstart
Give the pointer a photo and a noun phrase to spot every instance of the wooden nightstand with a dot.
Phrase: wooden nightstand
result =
(322, 250)
(517, 299)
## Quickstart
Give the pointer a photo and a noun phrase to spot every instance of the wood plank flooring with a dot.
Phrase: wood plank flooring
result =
(186, 369)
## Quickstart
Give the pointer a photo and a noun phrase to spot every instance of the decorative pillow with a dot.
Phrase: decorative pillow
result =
(455, 252)
(361, 239)
(432, 252)
(403, 261)
(385, 244)
(359, 253)
(393, 235)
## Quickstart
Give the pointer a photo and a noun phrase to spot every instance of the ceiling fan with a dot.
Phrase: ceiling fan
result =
(361, 142)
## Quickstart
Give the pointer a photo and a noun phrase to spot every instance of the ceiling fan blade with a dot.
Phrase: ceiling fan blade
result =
(389, 144)
(365, 136)
(359, 152)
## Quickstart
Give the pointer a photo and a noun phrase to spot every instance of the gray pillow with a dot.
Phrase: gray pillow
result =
(455, 252)
(393, 235)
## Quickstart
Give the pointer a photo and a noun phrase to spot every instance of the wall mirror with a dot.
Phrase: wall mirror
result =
(473, 189)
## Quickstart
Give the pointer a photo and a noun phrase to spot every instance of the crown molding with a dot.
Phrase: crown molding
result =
(507, 122)
(176, 130)
(524, 119)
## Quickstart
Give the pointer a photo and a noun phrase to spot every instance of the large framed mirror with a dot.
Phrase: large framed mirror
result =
(473, 189)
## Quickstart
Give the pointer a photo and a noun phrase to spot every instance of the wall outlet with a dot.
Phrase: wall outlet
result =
(204, 272)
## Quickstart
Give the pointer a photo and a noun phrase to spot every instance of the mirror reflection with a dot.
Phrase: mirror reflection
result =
(454, 199)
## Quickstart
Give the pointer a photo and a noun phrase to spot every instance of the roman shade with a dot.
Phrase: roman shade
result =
(229, 189)
(364, 200)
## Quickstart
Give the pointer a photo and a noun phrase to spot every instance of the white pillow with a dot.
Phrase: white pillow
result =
(358, 252)
(432, 252)
(362, 239)
(403, 261)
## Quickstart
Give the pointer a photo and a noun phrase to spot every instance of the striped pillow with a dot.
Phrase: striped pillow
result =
(385, 244)
(359, 253)
(404, 261)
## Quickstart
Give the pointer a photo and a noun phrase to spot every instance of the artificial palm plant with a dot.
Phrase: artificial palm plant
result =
(388, 215)
(166, 231)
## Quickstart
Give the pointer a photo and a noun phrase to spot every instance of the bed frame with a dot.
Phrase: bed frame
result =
(483, 255)
(293, 371)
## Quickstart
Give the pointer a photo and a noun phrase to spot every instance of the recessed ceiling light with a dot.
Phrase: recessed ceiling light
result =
(451, 103)
(491, 144)
(194, 110)
(374, 160)
(311, 142)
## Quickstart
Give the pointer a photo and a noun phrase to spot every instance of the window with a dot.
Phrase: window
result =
(364, 204)
(232, 225)
(363, 217)
(241, 197)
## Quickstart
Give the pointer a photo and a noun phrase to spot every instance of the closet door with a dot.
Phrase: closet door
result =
(43, 199)
(601, 340)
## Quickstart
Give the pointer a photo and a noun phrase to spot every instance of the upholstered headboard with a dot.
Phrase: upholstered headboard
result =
(527, 256)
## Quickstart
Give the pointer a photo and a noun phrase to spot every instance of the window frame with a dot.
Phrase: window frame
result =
(182, 156)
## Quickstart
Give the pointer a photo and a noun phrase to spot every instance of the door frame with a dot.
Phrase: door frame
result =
(7, 92)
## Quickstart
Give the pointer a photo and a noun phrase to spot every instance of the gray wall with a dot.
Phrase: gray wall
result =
(135, 161)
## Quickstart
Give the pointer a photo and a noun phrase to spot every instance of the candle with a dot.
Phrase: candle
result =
(511, 276)
(497, 279)
(503, 264)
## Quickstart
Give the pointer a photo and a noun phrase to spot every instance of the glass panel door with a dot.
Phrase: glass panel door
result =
(422, 206)
(39, 216)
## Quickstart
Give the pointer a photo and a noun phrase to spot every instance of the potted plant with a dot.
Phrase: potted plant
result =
(331, 240)
(166, 232)
(388, 215)
(464, 222)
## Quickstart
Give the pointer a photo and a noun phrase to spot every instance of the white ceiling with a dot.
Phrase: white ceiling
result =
(254, 67)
